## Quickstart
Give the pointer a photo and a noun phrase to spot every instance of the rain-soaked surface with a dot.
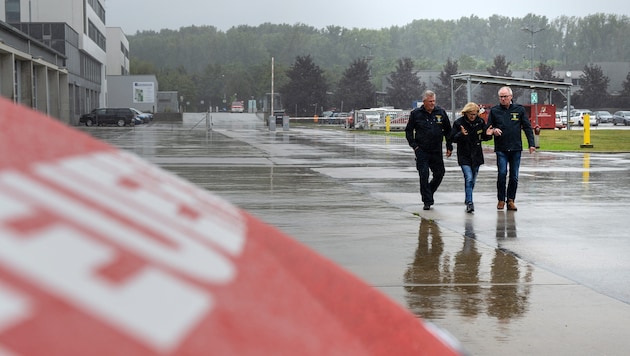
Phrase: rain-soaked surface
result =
(552, 278)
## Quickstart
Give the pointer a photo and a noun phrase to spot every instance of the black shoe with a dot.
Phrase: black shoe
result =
(470, 207)
(426, 207)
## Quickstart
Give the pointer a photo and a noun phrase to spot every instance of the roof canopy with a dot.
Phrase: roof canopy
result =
(482, 79)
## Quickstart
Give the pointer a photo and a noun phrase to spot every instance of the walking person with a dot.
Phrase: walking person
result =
(505, 122)
(468, 132)
(428, 125)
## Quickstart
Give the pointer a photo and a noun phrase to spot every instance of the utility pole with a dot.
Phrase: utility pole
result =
(532, 45)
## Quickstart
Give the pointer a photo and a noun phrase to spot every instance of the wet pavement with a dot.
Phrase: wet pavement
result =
(551, 278)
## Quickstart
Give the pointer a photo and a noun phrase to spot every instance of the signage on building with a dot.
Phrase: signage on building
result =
(143, 92)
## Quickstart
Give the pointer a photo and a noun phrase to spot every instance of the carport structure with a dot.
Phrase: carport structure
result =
(472, 81)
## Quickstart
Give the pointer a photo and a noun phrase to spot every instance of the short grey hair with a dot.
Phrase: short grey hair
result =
(428, 94)
(508, 89)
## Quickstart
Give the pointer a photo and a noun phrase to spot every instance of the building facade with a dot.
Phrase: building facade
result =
(74, 31)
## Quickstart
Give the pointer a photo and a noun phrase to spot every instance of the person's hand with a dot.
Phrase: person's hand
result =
(532, 149)
(464, 131)
(497, 132)
(490, 131)
(448, 153)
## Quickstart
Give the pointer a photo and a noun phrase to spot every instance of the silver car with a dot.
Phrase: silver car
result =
(603, 116)
(621, 118)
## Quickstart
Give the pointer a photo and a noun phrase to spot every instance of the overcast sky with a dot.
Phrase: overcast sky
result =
(139, 15)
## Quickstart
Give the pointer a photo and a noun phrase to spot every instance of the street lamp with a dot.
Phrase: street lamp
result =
(532, 45)
(369, 57)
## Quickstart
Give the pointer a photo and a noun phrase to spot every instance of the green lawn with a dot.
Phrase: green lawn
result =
(602, 140)
(571, 140)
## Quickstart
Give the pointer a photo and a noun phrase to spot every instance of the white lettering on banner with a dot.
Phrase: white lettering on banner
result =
(184, 254)
(112, 209)
(66, 262)
(154, 205)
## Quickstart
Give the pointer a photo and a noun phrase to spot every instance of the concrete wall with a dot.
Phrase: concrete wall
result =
(122, 93)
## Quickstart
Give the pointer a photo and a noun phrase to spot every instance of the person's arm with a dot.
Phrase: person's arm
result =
(456, 132)
(446, 130)
(409, 132)
(526, 126)
(493, 124)
(487, 133)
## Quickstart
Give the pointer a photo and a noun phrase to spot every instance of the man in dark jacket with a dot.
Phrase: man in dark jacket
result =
(468, 132)
(506, 121)
(425, 129)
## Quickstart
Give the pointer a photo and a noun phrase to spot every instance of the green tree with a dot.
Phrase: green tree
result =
(305, 93)
(626, 86)
(594, 90)
(405, 86)
(500, 68)
(545, 72)
(355, 90)
(139, 66)
(624, 96)
(179, 80)
(443, 87)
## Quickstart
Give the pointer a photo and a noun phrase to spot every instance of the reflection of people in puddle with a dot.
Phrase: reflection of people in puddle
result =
(466, 273)
(508, 292)
(506, 226)
(423, 277)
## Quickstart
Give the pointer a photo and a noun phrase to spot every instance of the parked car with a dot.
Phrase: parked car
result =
(109, 116)
(137, 120)
(621, 118)
(603, 116)
(577, 117)
(561, 122)
(145, 117)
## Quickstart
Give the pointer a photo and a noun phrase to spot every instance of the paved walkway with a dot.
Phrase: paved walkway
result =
(550, 279)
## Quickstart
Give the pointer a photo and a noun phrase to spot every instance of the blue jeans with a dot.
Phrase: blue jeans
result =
(470, 177)
(513, 160)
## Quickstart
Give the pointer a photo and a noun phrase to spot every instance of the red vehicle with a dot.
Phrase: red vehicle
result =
(238, 106)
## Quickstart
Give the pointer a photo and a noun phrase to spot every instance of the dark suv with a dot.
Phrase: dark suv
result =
(109, 116)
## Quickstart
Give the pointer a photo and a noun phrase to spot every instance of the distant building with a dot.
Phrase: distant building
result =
(55, 55)
(133, 91)
(168, 102)
(117, 52)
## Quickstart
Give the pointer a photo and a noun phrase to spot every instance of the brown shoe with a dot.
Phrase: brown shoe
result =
(501, 205)
(511, 205)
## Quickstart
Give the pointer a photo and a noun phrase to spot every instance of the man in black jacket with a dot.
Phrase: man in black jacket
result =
(506, 121)
(425, 129)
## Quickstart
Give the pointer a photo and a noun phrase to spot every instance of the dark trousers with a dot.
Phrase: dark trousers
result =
(427, 163)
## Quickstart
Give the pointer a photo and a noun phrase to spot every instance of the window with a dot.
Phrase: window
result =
(12, 11)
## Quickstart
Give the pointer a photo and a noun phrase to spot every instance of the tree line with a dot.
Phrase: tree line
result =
(215, 67)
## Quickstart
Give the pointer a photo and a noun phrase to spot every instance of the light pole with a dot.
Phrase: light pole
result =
(532, 45)
(369, 57)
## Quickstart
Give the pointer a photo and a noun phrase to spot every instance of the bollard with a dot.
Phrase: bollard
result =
(587, 132)
(537, 136)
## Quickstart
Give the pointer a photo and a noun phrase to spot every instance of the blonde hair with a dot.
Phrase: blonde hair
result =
(470, 107)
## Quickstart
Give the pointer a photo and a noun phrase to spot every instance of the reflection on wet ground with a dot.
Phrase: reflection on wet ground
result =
(446, 278)
(534, 281)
